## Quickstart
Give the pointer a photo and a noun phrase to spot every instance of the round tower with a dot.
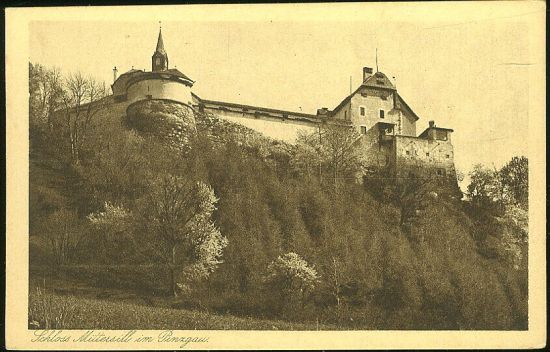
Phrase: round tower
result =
(160, 101)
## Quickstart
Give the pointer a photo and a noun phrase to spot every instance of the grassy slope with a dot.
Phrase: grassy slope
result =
(86, 313)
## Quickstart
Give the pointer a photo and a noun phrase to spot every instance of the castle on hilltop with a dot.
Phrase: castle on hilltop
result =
(385, 122)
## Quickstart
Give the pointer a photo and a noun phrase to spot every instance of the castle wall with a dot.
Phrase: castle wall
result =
(424, 157)
(159, 89)
(286, 130)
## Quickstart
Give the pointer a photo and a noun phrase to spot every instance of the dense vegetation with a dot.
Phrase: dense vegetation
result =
(276, 236)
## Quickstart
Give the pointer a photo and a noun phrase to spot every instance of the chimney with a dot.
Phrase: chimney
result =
(114, 74)
(367, 72)
(431, 123)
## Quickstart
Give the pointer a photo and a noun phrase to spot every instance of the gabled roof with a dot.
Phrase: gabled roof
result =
(372, 82)
(378, 80)
(400, 101)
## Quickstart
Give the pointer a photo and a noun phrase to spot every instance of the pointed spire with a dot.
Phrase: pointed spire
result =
(160, 43)
(160, 57)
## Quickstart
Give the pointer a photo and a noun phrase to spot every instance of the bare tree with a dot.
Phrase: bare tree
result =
(45, 91)
(82, 99)
(336, 148)
(340, 148)
(64, 234)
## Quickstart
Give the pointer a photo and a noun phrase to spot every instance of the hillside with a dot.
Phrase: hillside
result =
(373, 271)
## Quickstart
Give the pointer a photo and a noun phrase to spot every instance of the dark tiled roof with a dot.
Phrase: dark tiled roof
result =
(140, 75)
(132, 71)
(425, 133)
(256, 108)
(176, 72)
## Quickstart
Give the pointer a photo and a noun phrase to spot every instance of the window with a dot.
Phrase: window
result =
(447, 156)
(149, 96)
(381, 114)
(364, 129)
(345, 115)
(408, 153)
(441, 172)
(380, 81)
(362, 111)
(428, 154)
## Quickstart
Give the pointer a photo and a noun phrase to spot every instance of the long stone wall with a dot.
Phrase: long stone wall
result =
(286, 130)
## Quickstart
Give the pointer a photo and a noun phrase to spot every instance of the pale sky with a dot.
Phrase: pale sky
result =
(467, 70)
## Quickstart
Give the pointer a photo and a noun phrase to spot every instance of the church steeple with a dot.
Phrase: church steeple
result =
(160, 58)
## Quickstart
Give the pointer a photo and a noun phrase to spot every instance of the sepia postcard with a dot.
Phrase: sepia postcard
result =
(276, 176)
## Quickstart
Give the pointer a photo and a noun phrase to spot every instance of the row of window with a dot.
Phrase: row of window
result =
(363, 111)
(408, 152)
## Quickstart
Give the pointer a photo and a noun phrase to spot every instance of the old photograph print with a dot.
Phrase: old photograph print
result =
(198, 174)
